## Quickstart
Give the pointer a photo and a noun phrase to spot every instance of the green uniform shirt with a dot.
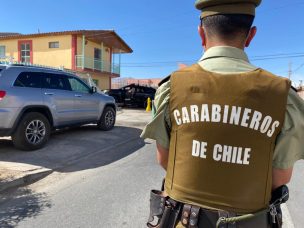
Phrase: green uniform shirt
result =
(225, 60)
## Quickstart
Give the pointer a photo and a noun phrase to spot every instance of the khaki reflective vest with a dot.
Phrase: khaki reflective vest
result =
(223, 136)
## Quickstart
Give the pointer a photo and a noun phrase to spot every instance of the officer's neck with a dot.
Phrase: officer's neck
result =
(216, 43)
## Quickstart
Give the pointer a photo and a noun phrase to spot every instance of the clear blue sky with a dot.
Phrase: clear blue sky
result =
(163, 32)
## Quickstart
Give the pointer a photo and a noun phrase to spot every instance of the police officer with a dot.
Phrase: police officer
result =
(228, 133)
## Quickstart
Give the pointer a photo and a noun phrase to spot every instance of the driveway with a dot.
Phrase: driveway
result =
(69, 146)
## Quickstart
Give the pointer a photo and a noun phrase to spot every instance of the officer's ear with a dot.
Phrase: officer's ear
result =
(202, 34)
(250, 36)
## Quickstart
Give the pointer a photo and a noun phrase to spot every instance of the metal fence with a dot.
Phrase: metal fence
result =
(96, 64)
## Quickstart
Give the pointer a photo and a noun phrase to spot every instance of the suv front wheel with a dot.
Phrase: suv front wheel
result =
(33, 132)
(107, 119)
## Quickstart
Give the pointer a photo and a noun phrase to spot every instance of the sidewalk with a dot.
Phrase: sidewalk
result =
(19, 168)
(14, 174)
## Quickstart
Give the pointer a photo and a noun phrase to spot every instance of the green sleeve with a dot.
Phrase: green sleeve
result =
(290, 142)
(159, 128)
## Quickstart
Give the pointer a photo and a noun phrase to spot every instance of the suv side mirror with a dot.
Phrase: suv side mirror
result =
(93, 89)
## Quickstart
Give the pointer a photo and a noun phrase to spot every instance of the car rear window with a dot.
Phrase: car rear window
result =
(28, 79)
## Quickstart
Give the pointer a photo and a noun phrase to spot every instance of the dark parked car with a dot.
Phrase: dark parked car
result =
(132, 95)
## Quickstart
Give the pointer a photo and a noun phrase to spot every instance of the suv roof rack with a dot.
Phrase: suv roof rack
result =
(62, 69)
(15, 63)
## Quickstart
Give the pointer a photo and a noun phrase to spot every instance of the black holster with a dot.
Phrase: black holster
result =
(157, 208)
(279, 196)
(171, 214)
(164, 212)
(278, 218)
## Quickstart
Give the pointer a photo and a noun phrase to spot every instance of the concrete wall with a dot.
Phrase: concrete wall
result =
(55, 57)
(103, 80)
(11, 48)
(89, 49)
(42, 54)
(62, 56)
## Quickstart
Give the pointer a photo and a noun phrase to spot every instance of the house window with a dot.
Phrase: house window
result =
(54, 44)
(2, 51)
(25, 52)
(97, 53)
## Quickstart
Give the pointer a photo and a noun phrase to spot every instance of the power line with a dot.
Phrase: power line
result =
(298, 68)
(174, 62)
(141, 25)
(279, 54)
(162, 62)
(278, 57)
(133, 29)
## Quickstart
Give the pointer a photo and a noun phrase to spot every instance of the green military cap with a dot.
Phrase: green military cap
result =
(213, 7)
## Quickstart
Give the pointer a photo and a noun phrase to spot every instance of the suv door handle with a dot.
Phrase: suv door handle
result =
(50, 94)
(78, 95)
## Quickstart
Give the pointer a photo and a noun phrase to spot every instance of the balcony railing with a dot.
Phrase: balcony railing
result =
(96, 64)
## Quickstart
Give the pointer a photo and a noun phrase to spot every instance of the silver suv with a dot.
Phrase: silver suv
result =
(36, 100)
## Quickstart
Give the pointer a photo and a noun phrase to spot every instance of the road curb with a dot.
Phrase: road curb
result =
(26, 179)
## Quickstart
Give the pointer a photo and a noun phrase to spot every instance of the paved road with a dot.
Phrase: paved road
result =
(108, 188)
(68, 146)
(296, 201)
(115, 195)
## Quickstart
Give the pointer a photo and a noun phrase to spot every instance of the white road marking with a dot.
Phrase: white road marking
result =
(287, 221)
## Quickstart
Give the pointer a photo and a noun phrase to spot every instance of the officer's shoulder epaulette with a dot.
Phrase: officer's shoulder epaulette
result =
(164, 80)
(293, 88)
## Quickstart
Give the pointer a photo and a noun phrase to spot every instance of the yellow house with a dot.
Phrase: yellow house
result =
(93, 52)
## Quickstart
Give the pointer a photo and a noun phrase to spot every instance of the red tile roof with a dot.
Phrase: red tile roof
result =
(108, 37)
(8, 33)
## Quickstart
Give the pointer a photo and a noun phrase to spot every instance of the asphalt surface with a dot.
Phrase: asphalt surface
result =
(296, 201)
(106, 188)
(114, 195)
(66, 147)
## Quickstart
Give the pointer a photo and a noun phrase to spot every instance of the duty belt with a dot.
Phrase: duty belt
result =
(169, 212)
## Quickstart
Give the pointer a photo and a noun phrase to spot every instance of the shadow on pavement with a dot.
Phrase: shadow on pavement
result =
(77, 145)
(24, 204)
